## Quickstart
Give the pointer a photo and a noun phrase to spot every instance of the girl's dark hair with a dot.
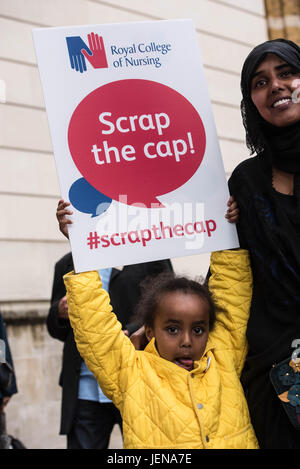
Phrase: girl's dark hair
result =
(154, 288)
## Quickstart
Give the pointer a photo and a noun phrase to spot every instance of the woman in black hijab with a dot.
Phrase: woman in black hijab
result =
(267, 190)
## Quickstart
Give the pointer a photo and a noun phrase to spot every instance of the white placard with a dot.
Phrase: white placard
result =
(134, 141)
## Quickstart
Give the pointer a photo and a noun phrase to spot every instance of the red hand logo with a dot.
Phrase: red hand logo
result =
(98, 57)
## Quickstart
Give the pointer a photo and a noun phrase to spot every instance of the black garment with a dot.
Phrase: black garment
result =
(124, 295)
(288, 204)
(268, 230)
(93, 425)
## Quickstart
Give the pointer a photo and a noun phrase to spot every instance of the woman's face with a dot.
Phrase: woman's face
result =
(273, 91)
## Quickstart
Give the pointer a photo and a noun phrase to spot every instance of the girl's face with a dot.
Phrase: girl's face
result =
(181, 328)
(272, 89)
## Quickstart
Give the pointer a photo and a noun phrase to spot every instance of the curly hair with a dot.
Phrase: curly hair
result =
(154, 288)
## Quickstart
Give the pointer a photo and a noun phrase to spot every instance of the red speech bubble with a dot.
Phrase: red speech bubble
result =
(136, 138)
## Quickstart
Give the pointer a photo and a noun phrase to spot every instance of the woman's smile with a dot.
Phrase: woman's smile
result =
(281, 103)
(272, 91)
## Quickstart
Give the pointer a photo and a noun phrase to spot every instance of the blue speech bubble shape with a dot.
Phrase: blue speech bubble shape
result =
(87, 199)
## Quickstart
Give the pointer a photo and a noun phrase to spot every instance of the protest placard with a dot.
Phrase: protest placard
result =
(134, 141)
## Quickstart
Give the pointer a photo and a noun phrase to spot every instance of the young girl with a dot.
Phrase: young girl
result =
(183, 391)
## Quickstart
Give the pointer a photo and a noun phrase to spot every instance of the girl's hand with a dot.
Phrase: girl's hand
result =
(61, 213)
(232, 213)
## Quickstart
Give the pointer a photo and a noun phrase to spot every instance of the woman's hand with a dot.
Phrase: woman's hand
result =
(61, 213)
(63, 310)
(232, 213)
(139, 339)
(4, 403)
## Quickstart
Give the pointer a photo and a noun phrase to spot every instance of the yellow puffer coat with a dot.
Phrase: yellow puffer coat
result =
(162, 404)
